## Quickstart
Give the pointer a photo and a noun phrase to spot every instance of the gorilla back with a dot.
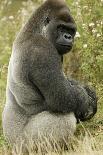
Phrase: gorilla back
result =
(39, 98)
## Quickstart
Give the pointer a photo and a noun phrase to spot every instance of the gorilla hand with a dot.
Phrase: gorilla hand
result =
(91, 106)
(93, 101)
(87, 95)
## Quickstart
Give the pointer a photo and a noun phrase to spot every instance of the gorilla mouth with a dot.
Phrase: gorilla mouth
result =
(65, 45)
(63, 48)
(68, 47)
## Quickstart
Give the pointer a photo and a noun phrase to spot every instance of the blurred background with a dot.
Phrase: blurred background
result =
(84, 63)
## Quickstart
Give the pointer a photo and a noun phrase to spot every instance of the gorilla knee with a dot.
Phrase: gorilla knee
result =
(51, 126)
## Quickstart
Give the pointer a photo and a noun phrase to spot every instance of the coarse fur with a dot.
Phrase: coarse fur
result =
(39, 98)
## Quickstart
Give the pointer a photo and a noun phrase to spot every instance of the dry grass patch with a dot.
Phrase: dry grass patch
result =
(84, 145)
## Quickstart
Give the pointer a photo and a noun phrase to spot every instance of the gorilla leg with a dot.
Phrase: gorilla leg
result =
(50, 127)
(46, 123)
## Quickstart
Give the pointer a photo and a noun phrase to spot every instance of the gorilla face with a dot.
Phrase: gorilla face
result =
(60, 31)
(65, 38)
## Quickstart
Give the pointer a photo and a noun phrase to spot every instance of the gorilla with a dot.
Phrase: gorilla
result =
(40, 100)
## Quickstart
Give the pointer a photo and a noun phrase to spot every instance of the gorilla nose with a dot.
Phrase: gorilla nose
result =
(67, 37)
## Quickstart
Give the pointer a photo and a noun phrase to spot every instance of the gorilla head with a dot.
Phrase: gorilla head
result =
(59, 27)
(54, 21)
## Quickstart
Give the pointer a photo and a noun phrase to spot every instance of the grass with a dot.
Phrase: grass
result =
(84, 63)
(84, 145)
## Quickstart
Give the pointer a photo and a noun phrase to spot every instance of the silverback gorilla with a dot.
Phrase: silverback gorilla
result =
(40, 100)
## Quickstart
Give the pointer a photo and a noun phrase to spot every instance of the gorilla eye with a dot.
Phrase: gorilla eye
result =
(72, 31)
(47, 20)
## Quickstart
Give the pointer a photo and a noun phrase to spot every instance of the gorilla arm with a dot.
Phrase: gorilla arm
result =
(92, 108)
(46, 73)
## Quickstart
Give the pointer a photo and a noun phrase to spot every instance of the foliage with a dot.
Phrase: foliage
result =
(89, 39)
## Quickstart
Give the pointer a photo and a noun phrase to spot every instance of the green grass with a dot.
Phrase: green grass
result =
(84, 63)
